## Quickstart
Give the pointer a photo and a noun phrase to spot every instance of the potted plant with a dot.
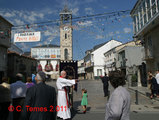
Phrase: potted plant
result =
(134, 80)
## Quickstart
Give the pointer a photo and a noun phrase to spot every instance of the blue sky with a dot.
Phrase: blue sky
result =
(86, 34)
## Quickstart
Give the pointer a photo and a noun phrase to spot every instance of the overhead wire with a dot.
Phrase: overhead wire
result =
(75, 19)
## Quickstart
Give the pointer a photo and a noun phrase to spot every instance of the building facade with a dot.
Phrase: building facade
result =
(110, 61)
(48, 57)
(145, 16)
(111, 56)
(5, 42)
(18, 63)
(95, 60)
(129, 59)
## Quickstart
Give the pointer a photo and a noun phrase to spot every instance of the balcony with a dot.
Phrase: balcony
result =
(147, 58)
(89, 64)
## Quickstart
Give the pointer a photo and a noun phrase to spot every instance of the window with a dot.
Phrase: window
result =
(145, 19)
(141, 16)
(144, 12)
(99, 72)
(148, 9)
(138, 22)
(66, 54)
(149, 47)
(65, 35)
(158, 5)
(135, 29)
(153, 7)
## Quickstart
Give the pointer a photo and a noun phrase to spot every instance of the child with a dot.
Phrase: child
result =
(84, 101)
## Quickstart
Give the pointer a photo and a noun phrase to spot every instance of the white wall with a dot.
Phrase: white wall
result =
(99, 55)
(134, 56)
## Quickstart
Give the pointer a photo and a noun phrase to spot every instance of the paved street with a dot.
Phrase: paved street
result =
(146, 110)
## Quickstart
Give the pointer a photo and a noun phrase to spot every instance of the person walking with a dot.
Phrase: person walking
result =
(118, 106)
(63, 100)
(84, 101)
(18, 93)
(154, 87)
(105, 80)
(40, 103)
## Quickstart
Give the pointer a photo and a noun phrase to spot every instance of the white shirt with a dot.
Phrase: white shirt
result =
(118, 106)
(18, 89)
(157, 78)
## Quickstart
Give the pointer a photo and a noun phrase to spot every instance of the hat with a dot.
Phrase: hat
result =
(19, 75)
(41, 76)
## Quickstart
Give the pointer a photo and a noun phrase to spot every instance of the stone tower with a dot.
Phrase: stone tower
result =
(66, 34)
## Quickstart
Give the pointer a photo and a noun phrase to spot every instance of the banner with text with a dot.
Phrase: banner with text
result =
(27, 37)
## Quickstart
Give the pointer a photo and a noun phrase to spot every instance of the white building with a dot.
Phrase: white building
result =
(95, 60)
(81, 69)
(49, 59)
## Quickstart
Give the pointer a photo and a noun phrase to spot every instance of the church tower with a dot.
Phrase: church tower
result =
(66, 34)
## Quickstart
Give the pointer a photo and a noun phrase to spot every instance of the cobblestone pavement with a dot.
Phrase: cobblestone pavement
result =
(97, 101)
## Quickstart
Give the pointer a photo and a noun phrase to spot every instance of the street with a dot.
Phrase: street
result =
(146, 110)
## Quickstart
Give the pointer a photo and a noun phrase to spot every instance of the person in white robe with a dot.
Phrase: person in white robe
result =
(62, 98)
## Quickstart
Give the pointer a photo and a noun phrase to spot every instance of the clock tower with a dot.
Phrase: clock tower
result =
(66, 34)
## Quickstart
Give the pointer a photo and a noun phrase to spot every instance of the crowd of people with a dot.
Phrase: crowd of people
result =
(36, 100)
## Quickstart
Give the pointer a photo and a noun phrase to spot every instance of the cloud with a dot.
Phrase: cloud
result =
(110, 34)
(117, 32)
(20, 17)
(127, 30)
(85, 23)
(99, 36)
(105, 7)
(89, 11)
(75, 11)
(18, 22)
(8, 15)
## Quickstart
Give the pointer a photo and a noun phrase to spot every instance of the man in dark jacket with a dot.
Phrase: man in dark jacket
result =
(40, 103)
(105, 80)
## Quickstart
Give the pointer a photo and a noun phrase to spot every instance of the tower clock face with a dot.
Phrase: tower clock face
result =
(66, 28)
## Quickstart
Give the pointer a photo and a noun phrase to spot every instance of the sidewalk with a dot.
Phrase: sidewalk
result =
(145, 104)
(143, 90)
